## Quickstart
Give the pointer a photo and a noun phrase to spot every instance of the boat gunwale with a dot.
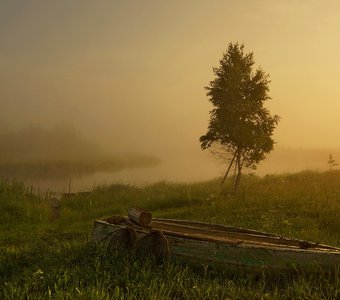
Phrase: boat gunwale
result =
(260, 245)
(241, 230)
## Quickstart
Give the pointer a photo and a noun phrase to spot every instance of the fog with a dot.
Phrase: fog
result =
(126, 79)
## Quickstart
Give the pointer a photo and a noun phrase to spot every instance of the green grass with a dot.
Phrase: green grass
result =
(41, 257)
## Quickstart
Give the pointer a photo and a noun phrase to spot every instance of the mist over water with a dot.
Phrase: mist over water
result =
(50, 156)
(57, 157)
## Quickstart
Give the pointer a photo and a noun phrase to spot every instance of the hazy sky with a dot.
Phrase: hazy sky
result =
(132, 73)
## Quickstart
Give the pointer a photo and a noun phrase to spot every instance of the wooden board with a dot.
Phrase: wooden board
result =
(221, 233)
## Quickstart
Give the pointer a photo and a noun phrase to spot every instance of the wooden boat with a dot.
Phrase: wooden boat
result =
(215, 245)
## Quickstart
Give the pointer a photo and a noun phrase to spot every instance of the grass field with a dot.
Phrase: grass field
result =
(44, 258)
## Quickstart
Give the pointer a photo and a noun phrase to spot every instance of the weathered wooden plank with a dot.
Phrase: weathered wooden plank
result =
(229, 232)
(218, 234)
(250, 256)
(204, 225)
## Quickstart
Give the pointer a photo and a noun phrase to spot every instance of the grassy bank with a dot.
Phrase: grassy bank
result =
(44, 257)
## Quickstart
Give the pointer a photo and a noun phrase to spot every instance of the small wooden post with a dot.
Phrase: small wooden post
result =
(69, 186)
(55, 208)
(140, 216)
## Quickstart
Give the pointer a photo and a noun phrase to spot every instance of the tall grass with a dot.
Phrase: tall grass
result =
(42, 257)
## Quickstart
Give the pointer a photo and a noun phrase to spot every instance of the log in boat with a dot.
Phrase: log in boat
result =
(212, 244)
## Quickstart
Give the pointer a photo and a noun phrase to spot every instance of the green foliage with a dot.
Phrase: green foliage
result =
(239, 122)
(41, 257)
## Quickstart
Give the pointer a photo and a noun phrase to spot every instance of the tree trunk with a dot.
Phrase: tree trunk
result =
(227, 172)
(235, 177)
(237, 181)
(238, 169)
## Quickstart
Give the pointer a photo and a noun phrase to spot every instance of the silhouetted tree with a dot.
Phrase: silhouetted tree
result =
(239, 125)
(331, 162)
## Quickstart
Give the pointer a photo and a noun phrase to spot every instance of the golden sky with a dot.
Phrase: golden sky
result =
(132, 73)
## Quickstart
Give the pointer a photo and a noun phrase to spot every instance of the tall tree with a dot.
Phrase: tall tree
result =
(239, 125)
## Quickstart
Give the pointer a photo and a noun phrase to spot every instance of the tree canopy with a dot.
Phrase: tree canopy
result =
(239, 123)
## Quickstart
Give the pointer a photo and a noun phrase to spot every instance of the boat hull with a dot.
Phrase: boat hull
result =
(221, 251)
